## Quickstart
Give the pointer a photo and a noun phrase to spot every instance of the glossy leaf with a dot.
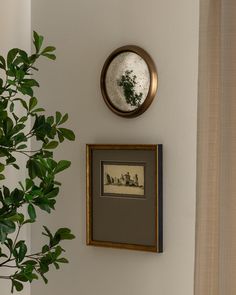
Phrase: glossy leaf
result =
(62, 165)
(67, 133)
(31, 212)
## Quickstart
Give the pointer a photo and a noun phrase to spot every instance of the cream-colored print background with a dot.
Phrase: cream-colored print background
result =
(116, 171)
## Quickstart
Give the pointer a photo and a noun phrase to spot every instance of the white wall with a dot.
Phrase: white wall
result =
(85, 32)
(15, 31)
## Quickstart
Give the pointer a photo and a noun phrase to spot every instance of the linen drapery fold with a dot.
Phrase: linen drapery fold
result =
(215, 259)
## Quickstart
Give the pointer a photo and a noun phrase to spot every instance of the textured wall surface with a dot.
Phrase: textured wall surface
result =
(85, 32)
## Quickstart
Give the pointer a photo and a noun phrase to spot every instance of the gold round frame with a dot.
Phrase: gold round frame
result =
(153, 81)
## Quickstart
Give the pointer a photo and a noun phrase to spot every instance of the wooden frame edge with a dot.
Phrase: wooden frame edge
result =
(153, 81)
(160, 197)
(158, 148)
(88, 196)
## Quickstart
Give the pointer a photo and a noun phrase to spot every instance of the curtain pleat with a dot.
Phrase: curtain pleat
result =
(215, 259)
(208, 158)
(228, 150)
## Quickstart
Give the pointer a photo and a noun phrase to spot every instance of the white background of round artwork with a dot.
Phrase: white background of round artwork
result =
(132, 62)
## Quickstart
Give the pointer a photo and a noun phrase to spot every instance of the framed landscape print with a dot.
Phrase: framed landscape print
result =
(124, 196)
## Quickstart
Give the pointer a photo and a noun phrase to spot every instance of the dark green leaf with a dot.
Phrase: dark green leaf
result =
(6, 227)
(11, 107)
(30, 262)
(17, 196)
(62, 260)
(45, 249)
(32, 103)
(18, 217)
(62, 165)
(64, 234)
(30, 82)
(38, 41)
(2, 177)
(22, 252)
(64, 119)
(43, 267)
(48, 233)
(22, 146)
(51, 163)
(16, 166)
(23, 119)
(17, 128)
(24, 56)
(31, 169)
(50, 120)
(51, 145)
(43, 277)
(67, 133)
(2, 63)
(39, 110)
(28, 221)
(49, 49)
(56, 265)
(20, 137)
(11, 56)
(60, 136)
(6, 192)
(58, 117)
(7, 125)
(24, 104)
(50, 56)
(53, 193)
(2, 167)
(28, 183)
(26, 90)
(21, 277)
(31, 212)
(17, 285)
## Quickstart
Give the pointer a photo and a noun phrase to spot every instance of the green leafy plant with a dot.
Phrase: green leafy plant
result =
(128, 82)
(40, 189)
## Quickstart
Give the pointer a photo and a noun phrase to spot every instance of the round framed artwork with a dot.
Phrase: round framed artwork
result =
(129, 81)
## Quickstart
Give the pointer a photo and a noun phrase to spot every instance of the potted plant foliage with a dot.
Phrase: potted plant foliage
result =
(40, 188)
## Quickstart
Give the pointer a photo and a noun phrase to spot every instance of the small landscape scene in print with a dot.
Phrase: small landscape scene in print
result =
(123, 179)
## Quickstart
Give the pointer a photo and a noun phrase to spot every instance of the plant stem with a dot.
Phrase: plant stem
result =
(21, 152)
(16, 238)
(5, 277)
(14, 243)
(11, 266)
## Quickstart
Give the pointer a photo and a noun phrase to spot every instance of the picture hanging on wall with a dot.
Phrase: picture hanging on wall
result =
(129, 81)
(124, 196)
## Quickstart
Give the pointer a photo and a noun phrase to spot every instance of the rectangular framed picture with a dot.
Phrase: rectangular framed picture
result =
(124, 196)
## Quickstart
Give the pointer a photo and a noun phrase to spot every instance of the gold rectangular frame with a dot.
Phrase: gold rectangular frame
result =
(158, 247)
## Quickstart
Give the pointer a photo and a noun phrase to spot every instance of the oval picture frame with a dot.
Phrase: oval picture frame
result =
(129, 81)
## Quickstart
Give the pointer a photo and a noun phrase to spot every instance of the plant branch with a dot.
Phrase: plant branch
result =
(11, 266)
(16, 238)
(23, 153)
(5, 277)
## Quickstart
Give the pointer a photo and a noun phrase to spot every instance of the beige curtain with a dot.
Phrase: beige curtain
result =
(215, 260)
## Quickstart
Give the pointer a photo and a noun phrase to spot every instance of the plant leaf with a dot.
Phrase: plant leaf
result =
(51, 145)
(32, 103)
(31, 212)
(62, 165)
(67, 133)
(38, 41)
